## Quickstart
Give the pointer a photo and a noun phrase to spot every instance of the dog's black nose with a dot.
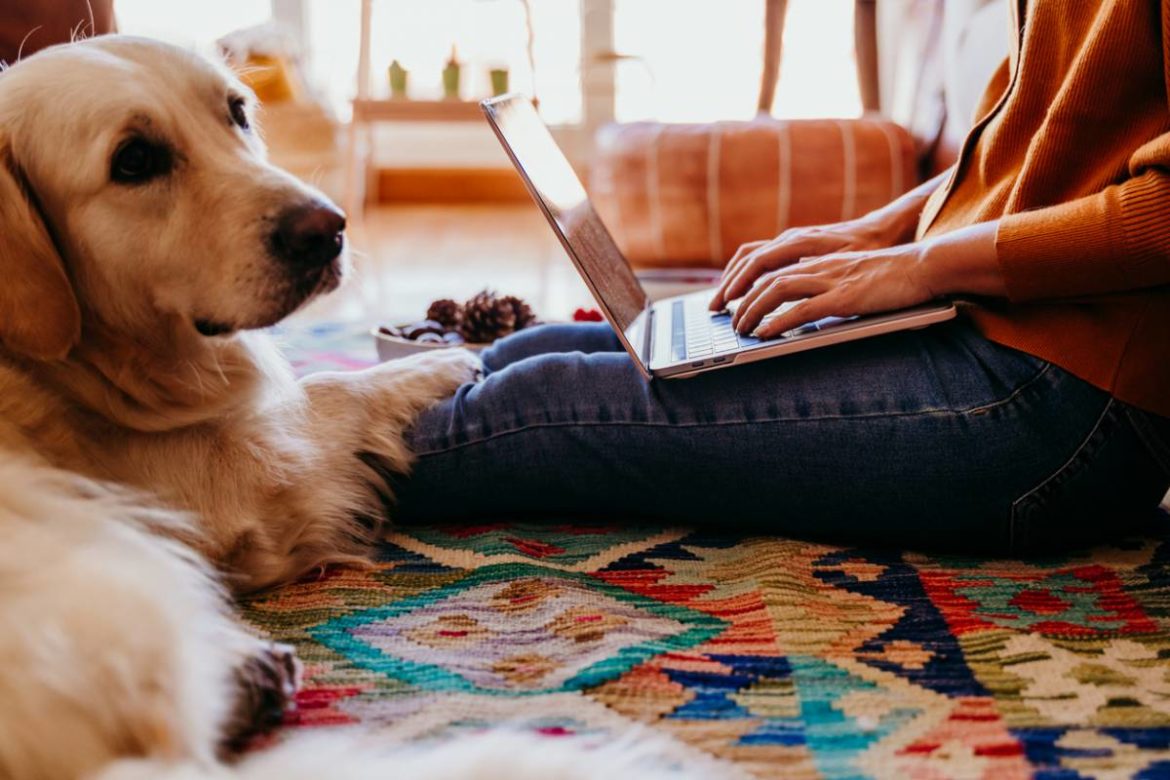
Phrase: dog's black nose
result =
(309, 236)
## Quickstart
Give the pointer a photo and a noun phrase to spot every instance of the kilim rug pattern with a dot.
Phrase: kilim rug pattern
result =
(778, 658)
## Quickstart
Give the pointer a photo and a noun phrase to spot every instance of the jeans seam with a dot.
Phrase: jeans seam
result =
(933, 412)
(1080, 448)
(1044, 369)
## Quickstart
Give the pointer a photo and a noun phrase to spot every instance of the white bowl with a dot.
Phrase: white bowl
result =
(394, 347)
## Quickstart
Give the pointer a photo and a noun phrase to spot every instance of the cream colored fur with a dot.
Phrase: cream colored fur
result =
(146, 467)
(500, 755)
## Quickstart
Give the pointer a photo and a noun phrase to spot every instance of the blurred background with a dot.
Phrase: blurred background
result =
(696, 124)
(670, 60)
(444, 214)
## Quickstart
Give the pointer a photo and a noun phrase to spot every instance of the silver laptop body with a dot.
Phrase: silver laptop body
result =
(672, 337)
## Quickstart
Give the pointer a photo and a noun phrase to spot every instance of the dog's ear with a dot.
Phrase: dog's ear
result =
(39, 315)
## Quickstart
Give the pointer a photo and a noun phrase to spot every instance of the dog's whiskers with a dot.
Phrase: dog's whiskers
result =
(198, 376)
(219, 369)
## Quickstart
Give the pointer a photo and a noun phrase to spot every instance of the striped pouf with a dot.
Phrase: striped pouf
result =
(689, 195)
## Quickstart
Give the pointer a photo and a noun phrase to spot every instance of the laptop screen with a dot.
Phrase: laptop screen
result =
(558, 191)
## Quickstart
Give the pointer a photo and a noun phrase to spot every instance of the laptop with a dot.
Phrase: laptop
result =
(671, 337)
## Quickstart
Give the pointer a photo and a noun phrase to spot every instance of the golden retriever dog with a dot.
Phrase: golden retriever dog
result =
(155, 450)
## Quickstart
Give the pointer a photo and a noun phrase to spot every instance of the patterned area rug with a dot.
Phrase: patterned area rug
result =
(778, 658)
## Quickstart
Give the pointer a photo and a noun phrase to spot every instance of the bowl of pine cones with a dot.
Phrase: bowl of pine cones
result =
(474, 324)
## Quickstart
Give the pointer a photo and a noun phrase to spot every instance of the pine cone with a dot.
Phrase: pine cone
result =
(525, 316)
(446, 312)
(486, 319)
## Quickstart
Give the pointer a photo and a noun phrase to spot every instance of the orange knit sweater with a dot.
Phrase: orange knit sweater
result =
(1072, 153)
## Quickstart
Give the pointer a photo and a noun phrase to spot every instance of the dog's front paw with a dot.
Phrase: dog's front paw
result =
(266, 684)
(452, 368)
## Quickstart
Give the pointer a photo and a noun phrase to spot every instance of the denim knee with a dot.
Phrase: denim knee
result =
(587, 337)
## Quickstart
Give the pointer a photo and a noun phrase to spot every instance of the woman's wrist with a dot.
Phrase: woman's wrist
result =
(894, 224)
(962, 261)
(897, 222)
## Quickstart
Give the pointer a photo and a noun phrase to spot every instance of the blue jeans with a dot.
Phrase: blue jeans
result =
(935, 438)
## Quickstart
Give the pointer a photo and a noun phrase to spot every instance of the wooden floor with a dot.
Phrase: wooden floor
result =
(407, 256)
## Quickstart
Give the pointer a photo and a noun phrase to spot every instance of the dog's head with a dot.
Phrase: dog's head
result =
(135, 195)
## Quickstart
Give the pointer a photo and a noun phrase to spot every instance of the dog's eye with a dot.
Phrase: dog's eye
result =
(138, 160)
(238, 113)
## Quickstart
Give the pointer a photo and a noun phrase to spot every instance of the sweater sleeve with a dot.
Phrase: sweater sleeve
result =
(1113, 241)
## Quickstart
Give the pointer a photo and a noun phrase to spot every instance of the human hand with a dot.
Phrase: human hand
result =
(757, 258)
(846, 284)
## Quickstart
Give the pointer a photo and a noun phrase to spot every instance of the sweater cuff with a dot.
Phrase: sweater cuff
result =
(1116, 240)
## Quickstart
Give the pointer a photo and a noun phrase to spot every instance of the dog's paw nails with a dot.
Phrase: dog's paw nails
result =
(266, 684)
(461, 366)
(480, 372)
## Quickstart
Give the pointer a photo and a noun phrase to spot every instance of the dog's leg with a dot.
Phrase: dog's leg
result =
(396, 391)
(368, 411)
(265, 684)
(116, 642)
(337, 447)
(349, 435)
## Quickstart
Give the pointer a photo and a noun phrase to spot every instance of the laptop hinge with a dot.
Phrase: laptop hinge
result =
(648, 339)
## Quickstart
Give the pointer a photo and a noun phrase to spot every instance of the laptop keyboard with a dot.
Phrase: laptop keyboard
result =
(699, 333)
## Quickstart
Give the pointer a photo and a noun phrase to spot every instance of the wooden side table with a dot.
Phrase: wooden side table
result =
(360, 179)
